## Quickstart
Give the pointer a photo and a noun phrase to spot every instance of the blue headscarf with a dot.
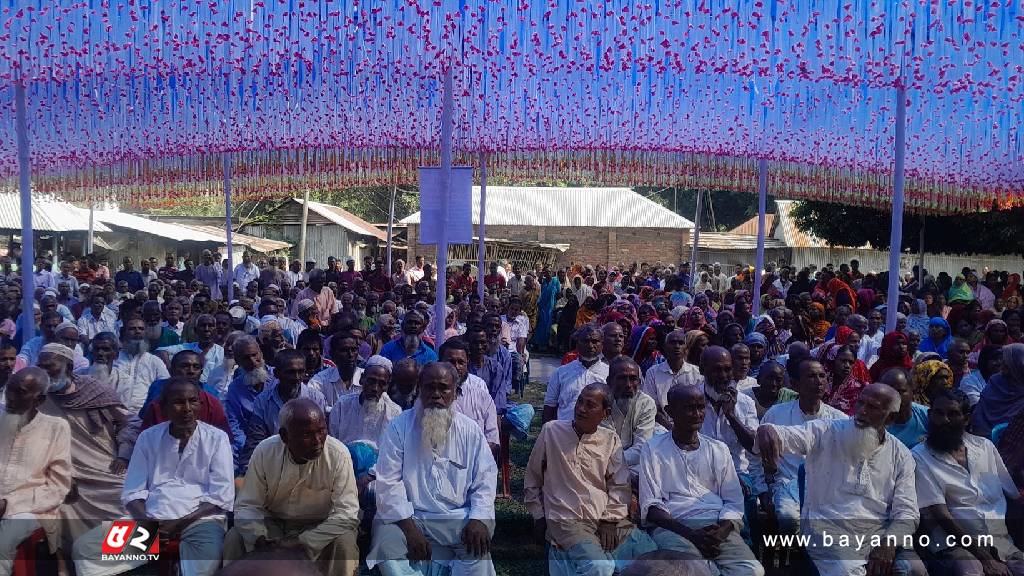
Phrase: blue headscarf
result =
(929, 345)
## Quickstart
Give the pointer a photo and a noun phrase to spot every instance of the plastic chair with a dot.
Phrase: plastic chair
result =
(26, 558)
(169, 563)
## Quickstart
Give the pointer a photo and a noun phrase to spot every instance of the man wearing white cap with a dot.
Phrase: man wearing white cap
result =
(364, 416)
(306, 314)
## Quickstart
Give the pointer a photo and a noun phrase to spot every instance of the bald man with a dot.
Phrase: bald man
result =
(859, 481)
(35, 457)
(299, 493)
(690, 493)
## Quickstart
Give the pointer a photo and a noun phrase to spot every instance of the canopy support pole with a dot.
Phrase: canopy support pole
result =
(305, 219)
(482, 231)
(896, 234)
(226, 159)
(920, 255)
(92, 228)
(28, 278)
(696, 239)
(391, 226)
(441, 291)
(762, 207)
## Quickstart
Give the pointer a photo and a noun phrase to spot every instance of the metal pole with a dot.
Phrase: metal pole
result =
(896, 234)
(696, 239)
(481, 248)
(92, 228)
(920, 256)
(391, 224)
(226, 158)
(28, 279)
(441, 291)
(762, 203)
(302, 232)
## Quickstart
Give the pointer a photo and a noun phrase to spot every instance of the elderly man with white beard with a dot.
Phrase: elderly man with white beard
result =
(364, 416)
(244, 389)
(860, 509)
(35, 457)
(103, 434)
(157, 334)
(137, 369)
(435, 487)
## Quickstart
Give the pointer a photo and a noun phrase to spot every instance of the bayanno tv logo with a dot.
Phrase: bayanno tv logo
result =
(130, 540)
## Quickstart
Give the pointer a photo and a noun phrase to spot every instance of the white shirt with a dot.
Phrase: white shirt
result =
(136, 374)
(790, 414)
(519, 328)
(699, 485)
(295, 277)
(244, 276)
(974, 496)
(348, 423)
(457, 483)
(328, 382)
(843, 496)
(660, 379)
(414, 274)
(746, 383)
(717, 426)
(568, 381)
(174, 485)
(474, 400)
(177, 328)
(868, 350)
(89, 326)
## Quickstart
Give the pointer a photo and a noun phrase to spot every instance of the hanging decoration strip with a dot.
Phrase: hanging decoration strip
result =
(135, 99)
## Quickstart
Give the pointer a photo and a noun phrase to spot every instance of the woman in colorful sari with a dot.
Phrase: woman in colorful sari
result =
(741, 310)
(846, 375)
(550, 289)
(644, 344)
(694, 343)
(960, 291)
(701, 301)
(865, 301)
(893, 353)
(567, 321)
(1012, 293)
(917, 320)
(815, 322)
(766, 327)
(1013, 324)
(840, 294)
(693, 319)
(587, 313)
(996, 334)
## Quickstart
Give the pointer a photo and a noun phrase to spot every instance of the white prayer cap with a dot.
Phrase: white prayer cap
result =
(58, 349)
(305, 304)
(64, 325)
(378, 360)
(237, 313)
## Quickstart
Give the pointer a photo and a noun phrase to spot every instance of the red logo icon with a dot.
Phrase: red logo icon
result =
(130, 537)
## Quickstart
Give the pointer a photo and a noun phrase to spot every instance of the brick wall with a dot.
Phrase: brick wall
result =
(608, 246)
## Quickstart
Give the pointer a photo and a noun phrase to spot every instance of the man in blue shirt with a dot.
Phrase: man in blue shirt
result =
(911, 423)
(411, 344)
(243, 390)
(131, 276)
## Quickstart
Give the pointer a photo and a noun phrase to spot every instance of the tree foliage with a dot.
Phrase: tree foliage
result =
(726, 210)
(997, 232)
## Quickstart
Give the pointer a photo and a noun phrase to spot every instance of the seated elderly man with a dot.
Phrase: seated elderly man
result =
(404, 378)
(811, 385)
(137, 369)
(205, 345)
(567, 381)
(244, 388)
(471, 395)
(675, 370)
(299, 493)
(54, 330)
(859, 483)
(103, 434)
(289, 370)
(35, 457)
(435, 487)
(180, 476)
(186, 364)
(633, 412)
(363, 417)
(962, 487)
(344, 377)
(689, 491)
(577, 490)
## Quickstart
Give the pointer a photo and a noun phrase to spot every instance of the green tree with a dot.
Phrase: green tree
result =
(726, 210)
(996, 232)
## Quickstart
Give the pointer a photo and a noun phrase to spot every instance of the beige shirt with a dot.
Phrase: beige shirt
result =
(574, 482)
(321, 493)
(634, 426)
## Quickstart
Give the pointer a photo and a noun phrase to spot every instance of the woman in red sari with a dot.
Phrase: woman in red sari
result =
(894, 353)
(847, 376)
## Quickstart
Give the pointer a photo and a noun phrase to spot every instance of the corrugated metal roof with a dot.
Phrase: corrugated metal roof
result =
(567, 207)
(749, 228)
(732, 241)
(47, 215)
(163, 229)
(258, 244)
(345, 219)
(790, 234)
